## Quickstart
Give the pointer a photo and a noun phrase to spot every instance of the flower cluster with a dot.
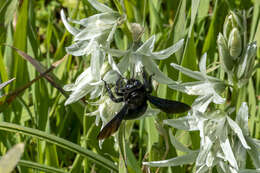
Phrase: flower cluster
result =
(224, 142)
(236, 55)
(93, 39)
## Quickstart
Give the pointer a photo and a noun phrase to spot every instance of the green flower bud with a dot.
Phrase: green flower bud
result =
(246, 65)
(237, 20)
(227, 26)
(226, 60)
(235, 43)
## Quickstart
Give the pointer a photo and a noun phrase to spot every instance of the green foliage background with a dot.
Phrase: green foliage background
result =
(62, 139)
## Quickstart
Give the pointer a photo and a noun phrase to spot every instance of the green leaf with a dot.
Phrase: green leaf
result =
(203, 10)
(132, 163)
(40, 167)
(60, 142)
(218, 17)
(194, 11)
(20, 39)
(152, 132)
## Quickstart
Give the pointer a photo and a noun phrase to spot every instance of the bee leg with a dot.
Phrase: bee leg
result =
(119, 89)
(111, 95)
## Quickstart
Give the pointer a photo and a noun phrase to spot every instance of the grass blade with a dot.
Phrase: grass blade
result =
(60, 142)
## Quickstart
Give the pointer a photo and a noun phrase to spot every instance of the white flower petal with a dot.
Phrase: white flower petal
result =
(242, 118)
(179, 87)
(99, 6)
(152, 68)
(206, 146)
(177, 145)
(235, 127)
(217, 99)
(240, 154)
(111, 34)
(181, 160)
(115, 52)
(97, 60)
(163, 54)
(124, 63)
(184, 123)
(72, 30)
(86, 34)
(98, 20)
(84, 77)
(78, 48)
(227, 150)
(202, 63)
(147, 47)
(113, 64)
(69, 87)
(111, 76)
(201, 103)
(11, 158)
(249, 171)
(204, 88)
(78, 94)
(193, 74)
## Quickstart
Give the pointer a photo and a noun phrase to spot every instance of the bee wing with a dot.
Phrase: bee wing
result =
(168, 106)
(113, 125)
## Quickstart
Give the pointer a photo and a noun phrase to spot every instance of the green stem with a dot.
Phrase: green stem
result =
(234, 98)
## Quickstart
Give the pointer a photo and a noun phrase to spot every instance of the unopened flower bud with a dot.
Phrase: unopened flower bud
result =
(235, 43)
(227, 26)
(226, 60)
(246, 66)
(237, 20)
(137, 31)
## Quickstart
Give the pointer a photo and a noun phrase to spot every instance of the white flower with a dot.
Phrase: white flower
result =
(208, 88)
(96, 30)
(87, 83)
(99, 28)
(143, 56)
(223, 144)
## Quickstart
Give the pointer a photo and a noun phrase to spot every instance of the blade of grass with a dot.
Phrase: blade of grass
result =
(132, 163)
(40, 68)
(40, 167)
(219, 14)
(77, 107)
(20, 40)
(13, 95)
(3, 70)
(59, 142)
(255, 21)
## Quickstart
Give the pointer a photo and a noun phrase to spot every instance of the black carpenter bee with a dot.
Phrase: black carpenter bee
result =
(135, 94)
